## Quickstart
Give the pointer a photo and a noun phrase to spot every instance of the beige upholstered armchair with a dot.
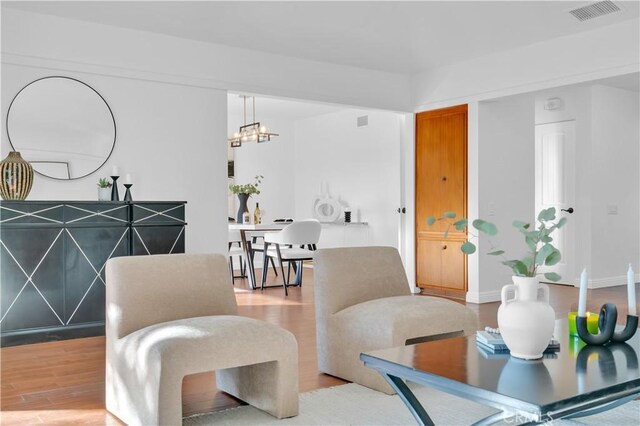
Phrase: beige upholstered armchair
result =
(168, 316)
(363, 303)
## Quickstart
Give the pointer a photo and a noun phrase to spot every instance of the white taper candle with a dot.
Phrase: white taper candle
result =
(582, 299)
(115, 171)
(631, 291)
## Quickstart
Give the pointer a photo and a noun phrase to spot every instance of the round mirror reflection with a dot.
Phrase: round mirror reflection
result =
(62, 126)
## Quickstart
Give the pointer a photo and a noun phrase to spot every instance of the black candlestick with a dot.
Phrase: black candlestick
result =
(114, 189)
(607, 325)
(127, 193)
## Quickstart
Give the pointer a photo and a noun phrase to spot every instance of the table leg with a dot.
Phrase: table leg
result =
(246, 247)
(409, 399)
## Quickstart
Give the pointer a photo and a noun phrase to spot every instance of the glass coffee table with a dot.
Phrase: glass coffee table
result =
(577, 381)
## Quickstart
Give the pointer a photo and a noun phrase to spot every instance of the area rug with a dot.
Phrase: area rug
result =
(353, 404)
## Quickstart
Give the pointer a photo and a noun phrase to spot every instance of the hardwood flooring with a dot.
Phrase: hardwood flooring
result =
(63, 382)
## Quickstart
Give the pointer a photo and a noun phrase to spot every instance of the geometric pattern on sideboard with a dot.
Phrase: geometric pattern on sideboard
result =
(53, 257)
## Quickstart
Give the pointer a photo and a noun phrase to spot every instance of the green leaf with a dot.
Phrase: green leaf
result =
(552, 276)
(553, 258)
(544, 251)
(518, 267)
(531, 243)
(561, 223)
(461, 224)
(496, 253)
(547, 214)
(528, 262)
(486, 227)
(521, 225)
(546, 239)
(449, 215)
(446, 233)
(431, 220)
(468, 248)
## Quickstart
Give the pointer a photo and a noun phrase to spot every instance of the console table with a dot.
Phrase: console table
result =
(53, 256)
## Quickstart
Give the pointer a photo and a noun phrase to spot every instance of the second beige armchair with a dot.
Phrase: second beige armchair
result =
(363, 303)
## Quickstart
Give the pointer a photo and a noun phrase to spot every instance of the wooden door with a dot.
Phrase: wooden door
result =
(441, 185)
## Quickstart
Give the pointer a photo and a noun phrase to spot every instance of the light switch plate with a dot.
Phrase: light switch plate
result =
(612, 209)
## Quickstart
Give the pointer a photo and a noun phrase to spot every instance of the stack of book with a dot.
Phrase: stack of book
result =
(493, 343)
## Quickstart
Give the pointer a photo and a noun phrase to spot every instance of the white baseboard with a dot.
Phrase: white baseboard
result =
(484, 296)
(610, 281)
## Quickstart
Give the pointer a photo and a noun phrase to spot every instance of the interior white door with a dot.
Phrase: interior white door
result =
(555, 187)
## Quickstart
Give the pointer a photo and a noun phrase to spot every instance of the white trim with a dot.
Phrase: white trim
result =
(484, 296)
(29, 278)
(28, 214)
(176, 241)
(159, 213)
(102, 214)
(142, 241)
(530, 87)
(98, 274)
(615, 281)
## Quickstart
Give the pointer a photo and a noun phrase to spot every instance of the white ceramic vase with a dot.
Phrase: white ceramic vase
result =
(525, 318)
(104, 194)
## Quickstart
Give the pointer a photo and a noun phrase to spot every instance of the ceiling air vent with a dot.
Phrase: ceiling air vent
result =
(594, 10)
(363, 121)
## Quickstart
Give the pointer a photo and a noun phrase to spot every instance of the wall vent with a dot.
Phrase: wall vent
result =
(594, 10)
(363, 121)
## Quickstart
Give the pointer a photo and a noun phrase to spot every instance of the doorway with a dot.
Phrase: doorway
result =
(555, 187)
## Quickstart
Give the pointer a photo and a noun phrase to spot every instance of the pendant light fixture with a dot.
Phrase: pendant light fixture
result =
(252, 132)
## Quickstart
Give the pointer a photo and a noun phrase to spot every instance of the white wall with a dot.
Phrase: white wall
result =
(602, 52)
(506, 186)
(275, 161)
(169, 137)
(82, 46)
(361, 167)
(615, 177)
(607, 148)
(576, 102)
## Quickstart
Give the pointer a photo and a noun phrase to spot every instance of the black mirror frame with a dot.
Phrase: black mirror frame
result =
(115, 129)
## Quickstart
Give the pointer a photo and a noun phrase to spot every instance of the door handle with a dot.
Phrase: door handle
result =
(569, 210)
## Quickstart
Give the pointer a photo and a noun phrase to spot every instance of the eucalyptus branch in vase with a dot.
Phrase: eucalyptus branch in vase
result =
(537, 237)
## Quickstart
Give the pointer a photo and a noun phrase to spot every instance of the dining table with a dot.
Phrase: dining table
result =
(247, 231)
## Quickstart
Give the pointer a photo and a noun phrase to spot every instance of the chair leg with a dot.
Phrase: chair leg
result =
(285, 282)
(231, 270)
(273, 264)
(265, 267)
(299, 274)
(288, 271)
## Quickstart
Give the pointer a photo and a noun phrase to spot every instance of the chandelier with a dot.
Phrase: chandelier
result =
(252, 132)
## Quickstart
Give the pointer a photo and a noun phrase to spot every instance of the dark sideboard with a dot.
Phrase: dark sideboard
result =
(53, 256)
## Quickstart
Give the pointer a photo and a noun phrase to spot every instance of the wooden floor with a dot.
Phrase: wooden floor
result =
(63, 382)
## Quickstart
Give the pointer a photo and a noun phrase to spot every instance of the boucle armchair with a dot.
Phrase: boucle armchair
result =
(168, 316)
(363, 303)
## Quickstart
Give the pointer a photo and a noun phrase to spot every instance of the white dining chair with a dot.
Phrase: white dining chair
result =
(235, 249)
(296, 243)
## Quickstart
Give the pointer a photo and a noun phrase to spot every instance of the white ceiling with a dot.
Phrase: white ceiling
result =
(402, 37)
(277, 109)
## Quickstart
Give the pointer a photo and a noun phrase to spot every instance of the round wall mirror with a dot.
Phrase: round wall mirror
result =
(62, 126)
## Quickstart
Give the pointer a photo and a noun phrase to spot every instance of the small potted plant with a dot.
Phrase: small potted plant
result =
(104, 190)
(525, 318)
(244, 192)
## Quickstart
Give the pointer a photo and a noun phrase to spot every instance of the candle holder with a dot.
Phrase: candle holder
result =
(607, 325)
(114, 189)
(127, 193)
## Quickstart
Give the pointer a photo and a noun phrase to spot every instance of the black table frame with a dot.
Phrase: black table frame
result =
(397, 375)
